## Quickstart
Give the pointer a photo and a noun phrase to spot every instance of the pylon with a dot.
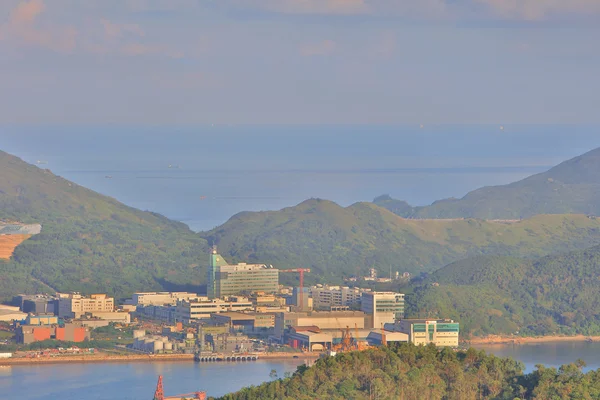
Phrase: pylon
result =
(159, 394)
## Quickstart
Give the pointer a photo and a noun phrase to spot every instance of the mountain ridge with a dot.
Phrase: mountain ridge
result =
(572, 186)
(90, 242)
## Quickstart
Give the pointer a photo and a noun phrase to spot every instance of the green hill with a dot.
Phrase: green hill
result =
(405, 371)
(501, 295)
(338, 242)
(571, 187)
(89, 242)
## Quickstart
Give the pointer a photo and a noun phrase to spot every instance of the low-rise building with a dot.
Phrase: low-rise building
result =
(8, 314)
(250, 322)
(38, 303)
(41, 319)
(27, 334)
(74, 305)
(325, 320)
(441, 332)
(188, 311)
(229, 343)
(159, 298)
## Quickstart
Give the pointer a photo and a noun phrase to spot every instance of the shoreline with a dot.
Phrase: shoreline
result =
(135, 358)
(493, 339)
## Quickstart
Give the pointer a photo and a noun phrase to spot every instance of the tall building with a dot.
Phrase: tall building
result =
(74, 305)
(383, 307)
(230, 280)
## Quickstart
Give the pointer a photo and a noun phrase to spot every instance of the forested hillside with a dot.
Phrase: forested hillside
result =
(500, 295)
(335, 241)
(404, 372)
(90, 242)
(571, 187)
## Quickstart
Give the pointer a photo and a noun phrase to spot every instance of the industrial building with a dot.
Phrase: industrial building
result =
(250, 322)
(159, 298)
(74, 305)
(27, 334)
(229, 343)
(324, 320)
(37, 303)
(383, 307)
(188, 311)
(228, 280)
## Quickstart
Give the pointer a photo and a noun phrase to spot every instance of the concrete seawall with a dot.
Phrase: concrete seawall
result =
(96, 359)
(136, 358)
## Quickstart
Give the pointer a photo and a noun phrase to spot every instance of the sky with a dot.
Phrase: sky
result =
(187, 62)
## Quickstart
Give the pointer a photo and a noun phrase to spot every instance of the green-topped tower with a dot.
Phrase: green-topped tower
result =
(229, 280)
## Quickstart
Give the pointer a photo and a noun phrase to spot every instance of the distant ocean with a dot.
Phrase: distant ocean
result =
(203, 175)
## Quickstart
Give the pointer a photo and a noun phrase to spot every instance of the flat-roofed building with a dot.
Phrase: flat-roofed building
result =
(74, 305)
(227, 280)
(383, 307)
(310, 338)
(68, 332)
(199, 308)
(325, 320)
(160, 298)
(441, 332)
(326, 297)
(9, 313)
(41, 319)
(250, 322)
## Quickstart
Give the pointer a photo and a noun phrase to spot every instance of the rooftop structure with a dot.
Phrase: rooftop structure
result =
(225, 279)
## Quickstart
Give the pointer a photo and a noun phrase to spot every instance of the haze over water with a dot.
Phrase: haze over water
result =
(218, 171)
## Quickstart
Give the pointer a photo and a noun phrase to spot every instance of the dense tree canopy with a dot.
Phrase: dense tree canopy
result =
(409, 372)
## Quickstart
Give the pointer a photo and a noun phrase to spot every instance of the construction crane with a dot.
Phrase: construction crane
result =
(159, 393)
(301, 271)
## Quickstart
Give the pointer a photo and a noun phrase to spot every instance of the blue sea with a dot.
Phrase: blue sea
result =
(203, 175)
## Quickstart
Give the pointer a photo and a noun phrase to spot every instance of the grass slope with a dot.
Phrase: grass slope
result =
(571, 187)
(502, 295)
(90, 242)
(335, 241)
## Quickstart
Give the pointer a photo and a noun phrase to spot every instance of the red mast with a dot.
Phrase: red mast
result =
(159, 394)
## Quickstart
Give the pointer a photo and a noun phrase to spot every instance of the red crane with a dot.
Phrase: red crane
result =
(159, 394)
(301, 271)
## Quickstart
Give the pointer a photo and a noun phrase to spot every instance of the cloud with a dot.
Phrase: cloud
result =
(115, 30)
(26, 12)
(433, 9)
(21, 27)
(140, 49)
(540, 9)
(318, 49)
(347, 7)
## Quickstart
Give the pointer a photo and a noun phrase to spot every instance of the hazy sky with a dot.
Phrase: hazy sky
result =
(299, 61)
